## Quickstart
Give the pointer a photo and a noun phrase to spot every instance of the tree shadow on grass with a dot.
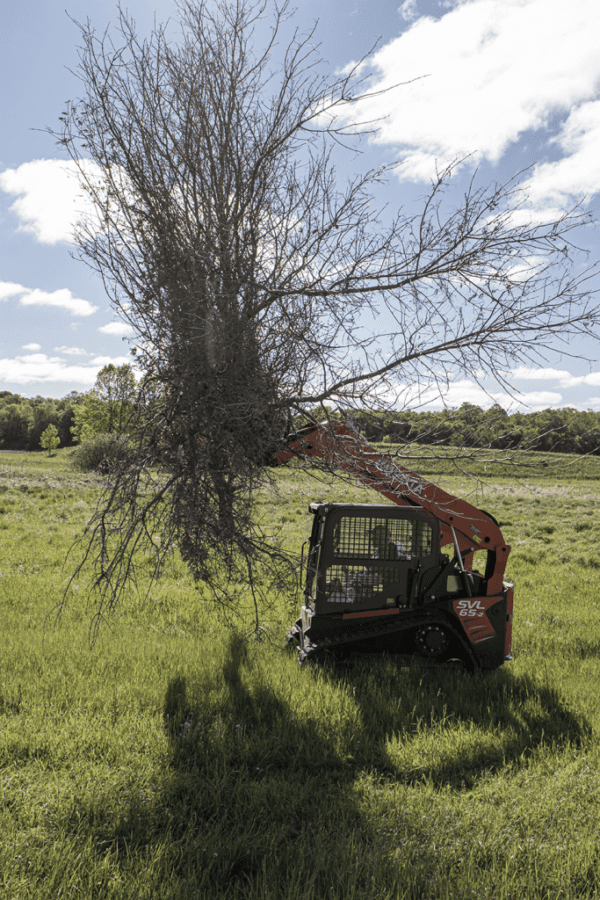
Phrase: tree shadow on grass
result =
(258, 796)
(261, 800)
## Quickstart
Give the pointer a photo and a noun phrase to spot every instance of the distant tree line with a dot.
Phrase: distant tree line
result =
(77, 417)
(551, 430)
(23, 420)
(106, 408)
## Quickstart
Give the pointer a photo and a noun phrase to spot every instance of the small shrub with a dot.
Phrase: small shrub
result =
(99, 453)
(50, 440)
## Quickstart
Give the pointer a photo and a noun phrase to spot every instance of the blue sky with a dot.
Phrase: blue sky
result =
(513, 83)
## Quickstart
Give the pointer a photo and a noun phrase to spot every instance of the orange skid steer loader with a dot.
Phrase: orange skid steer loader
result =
(399, 579)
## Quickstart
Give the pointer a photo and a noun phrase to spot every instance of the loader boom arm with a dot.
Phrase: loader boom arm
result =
(461, 523)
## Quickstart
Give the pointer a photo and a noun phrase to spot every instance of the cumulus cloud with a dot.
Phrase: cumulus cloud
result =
(70, 351)
(49, 197)
(564, 378)
(409, 10)
(39, 368)
(102, 361)
(592, 403)
(496, 69)
(62, 298)
(118, 328)
(10, 289)
(523, 373)
(577, 174)
(32, 346)
(466, 390)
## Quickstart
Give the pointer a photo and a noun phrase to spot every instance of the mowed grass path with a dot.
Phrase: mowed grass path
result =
(174, 760)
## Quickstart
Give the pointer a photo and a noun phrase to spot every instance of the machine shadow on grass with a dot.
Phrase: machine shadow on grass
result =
(514, 715)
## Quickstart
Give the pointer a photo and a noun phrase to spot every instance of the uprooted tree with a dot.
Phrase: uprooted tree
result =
(260, 288)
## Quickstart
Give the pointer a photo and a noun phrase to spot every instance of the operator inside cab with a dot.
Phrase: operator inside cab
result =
(384, 547)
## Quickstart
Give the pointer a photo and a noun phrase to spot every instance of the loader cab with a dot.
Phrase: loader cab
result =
(366, 556)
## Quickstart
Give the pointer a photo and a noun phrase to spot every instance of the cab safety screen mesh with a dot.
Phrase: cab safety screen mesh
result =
(389, 539)
(357, 584)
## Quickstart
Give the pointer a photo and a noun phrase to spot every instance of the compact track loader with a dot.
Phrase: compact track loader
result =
(399, 579)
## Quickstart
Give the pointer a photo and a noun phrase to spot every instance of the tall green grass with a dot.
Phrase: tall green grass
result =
(176, 760)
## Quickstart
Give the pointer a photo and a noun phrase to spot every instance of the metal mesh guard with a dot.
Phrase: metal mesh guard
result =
(389, 539)
(355, 584)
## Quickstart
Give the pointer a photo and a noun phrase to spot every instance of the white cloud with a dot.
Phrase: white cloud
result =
(71, 351)
(564, 378)
(40, 368)
(32, 346)
(592, 403)
(49, 198)
(118, 328)
(408, 10)
(496, 69)
(466, 391)
(10, 289)
(522, 373)
(37, 367)
(102, 361)
(593, 378)
(532, 400)
(433, 396)
(578, 173)
(62, 298)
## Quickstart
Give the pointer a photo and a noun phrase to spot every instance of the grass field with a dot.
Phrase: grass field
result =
(173, 760)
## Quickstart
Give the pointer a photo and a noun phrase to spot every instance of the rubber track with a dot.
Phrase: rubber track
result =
(360, 632)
